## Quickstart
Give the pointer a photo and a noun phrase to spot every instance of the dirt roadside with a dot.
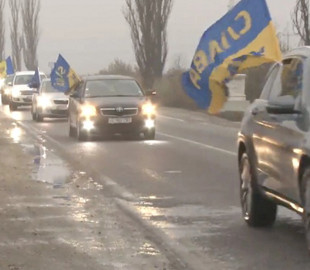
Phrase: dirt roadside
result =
(67, 226)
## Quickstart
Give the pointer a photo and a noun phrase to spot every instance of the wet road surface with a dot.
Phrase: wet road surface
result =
(184, 185)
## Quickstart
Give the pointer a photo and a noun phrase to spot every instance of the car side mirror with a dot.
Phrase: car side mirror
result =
(10, 84)
(75, 95)
(282, 105)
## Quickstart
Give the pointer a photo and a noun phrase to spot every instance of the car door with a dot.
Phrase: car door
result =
(278, 131)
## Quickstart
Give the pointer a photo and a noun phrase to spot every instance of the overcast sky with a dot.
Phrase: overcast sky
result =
(91, 34)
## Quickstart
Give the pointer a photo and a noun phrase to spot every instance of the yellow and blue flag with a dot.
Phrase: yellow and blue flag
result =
(63, 77)
(6, 67)
(244, 37)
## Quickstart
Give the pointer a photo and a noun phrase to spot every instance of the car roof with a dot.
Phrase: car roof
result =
(28, 72)
(303, 51)
(104, 77)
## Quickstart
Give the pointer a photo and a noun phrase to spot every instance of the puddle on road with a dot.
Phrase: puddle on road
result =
(49, 168)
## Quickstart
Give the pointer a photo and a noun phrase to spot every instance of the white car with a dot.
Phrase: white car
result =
(21, 94)
(49, 102)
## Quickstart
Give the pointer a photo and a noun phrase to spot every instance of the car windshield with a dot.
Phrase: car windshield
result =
(25, 79)
(47, 87)
(112, 87)
(9, 79)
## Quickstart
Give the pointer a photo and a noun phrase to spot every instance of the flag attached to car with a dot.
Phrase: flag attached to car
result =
(36, 79)
(244, 37)
(6, 67)
(63, 77)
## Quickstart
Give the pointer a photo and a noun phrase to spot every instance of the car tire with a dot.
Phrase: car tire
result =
(34, 116)
(257, 210)
(80, 135)
(149, 134)
(4, 100)
(13, 106)
(39, 117)
(305, 198)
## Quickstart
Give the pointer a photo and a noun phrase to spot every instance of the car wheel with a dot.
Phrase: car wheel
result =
(34, 116)
(305, 198)
(257, 210)
(39, 117)
(12, 106)
(80, 134)
(4, 100)
(149, 134)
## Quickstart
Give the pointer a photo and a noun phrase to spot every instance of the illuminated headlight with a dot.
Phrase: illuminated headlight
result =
(88, 111)
(149, 123)
(15, 93)
(7, 91)
(88, 125)
(44, 102)
(148, 109)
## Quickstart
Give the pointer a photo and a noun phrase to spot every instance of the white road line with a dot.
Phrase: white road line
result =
(171, 118)
(199, 144)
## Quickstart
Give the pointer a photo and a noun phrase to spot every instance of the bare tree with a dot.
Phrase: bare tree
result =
(16, 38)
(148, 21)
(300, 18)
(30, 17)
(2, 29)
(119, 67)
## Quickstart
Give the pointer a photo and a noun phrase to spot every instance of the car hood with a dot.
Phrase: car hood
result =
(113, 102)
(56, 95)
(23, 87)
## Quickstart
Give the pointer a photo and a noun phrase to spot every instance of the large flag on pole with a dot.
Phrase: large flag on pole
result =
(6, 67)
(63, 77)
(244, 37)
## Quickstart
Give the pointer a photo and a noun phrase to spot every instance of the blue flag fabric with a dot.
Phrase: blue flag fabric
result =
(244, 37)
(9, 66)
(63, 77)
(36, 80)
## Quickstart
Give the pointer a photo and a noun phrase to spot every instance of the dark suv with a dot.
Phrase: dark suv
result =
(110, 104)
(274, 144)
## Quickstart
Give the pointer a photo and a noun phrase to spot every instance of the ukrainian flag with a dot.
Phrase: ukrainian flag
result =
(63, 77)
(6, 67)
(245, 37)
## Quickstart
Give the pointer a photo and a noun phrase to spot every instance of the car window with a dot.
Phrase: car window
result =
(47, 87)
(271, 76)
(22, 79)
(9, 79)
(112, 87)
(289, 79)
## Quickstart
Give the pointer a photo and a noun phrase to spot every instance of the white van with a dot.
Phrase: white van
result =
(21, 94)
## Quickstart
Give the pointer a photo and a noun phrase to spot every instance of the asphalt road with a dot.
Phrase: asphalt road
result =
(184, 186)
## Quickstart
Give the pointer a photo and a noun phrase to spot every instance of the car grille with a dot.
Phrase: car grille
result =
(58, 101)
(60, 112)
(27, 92)
(115, 112)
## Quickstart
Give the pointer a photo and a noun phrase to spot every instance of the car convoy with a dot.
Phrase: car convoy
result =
(98, 106)
(273, 141)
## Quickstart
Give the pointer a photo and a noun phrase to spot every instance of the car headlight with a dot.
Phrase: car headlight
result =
(44, 102)
(7, 91)
(88, 111)
(148, 109)
(15, 92)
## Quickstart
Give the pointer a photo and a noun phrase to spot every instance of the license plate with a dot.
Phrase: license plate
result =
(61, 107)
(120, 120)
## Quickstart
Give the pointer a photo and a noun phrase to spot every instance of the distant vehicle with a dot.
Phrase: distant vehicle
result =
(274, 145)
(111, 104)
(6, 89)
(49, 102)
(21, 92)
